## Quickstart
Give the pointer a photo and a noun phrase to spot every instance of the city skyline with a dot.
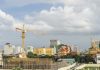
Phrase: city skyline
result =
(73, 22)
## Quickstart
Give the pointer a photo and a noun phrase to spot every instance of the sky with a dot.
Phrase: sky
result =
(74, 22)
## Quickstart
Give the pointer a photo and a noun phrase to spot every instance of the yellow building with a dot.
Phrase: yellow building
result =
(94, 49)
(45, 51)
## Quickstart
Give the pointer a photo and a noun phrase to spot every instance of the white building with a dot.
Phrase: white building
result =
(54, 43)
(97, 58)
(74, 48)
(97, 43)
(29, 49)
(18, 50)
(8, 49)
(1, 58)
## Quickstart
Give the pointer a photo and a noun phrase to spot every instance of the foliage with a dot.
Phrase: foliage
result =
(67, 56)
(85, 59)
(76, 57)
(45, 56)
(31, 55)
(17, 68)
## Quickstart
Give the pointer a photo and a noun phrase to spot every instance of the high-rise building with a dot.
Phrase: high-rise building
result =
(54, 43)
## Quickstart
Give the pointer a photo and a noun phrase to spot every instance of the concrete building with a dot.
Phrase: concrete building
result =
(18, 50)
(1, 58)
(54, 43)
(74, 50)
(11, 50)
(95, 47)
(64, 50)
(8, 49)
(98, 58)
(45, 51)
(29, 49)
(95, 43)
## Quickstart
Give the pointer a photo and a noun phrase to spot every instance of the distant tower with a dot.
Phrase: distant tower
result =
(93, 44)
(54, 43)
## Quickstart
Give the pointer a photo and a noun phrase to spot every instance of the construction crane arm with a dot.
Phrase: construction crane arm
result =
(18, 29)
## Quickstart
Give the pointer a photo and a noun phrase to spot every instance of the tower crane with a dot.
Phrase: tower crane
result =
(23, 31)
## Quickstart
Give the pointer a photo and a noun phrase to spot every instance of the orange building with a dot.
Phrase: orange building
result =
(64, 50)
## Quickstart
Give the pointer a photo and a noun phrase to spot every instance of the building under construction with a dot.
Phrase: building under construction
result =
(95, 47)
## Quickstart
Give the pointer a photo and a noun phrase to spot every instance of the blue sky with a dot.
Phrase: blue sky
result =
(71, 21)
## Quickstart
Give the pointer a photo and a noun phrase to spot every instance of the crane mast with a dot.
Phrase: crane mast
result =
(22, 36)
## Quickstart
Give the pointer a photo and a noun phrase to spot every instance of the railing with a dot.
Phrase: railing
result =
(70, 67)
(88, 67)
(34, 66)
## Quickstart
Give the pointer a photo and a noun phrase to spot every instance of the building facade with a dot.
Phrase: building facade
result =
(8, 49)
(1, 58)
(98, 58)
(54, 43)
(95, 47)
(45, 51)
(64, 50)
(29, 49)
(18, 50)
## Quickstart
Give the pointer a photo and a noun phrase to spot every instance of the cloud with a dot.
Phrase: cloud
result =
(77, 16)
(8, 22)
(65, 19)
(37, 26)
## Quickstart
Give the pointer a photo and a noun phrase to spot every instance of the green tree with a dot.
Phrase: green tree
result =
(45, 56)
(31, 55)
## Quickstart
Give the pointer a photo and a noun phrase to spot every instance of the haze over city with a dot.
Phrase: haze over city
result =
(71, 21)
